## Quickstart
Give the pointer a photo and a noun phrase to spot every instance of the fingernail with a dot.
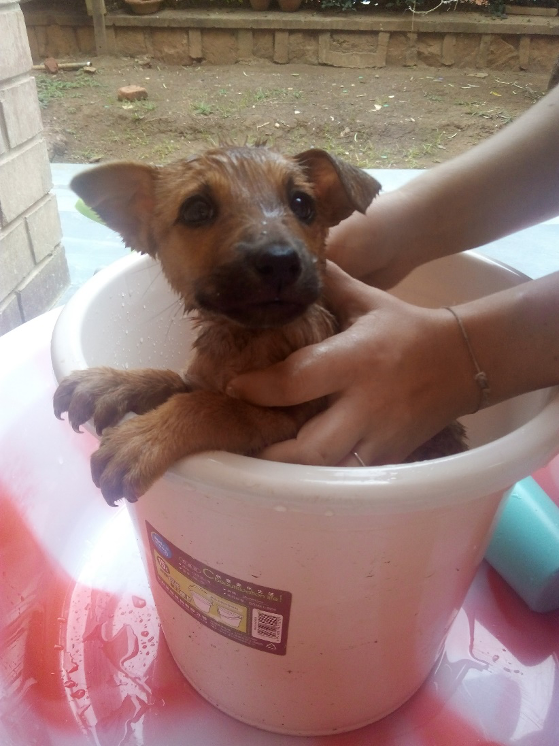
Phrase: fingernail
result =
(231, 391)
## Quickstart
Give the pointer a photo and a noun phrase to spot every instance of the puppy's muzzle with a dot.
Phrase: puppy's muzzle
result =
(267, 285)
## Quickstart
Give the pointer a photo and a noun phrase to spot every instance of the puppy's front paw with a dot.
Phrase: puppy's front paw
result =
(129, 460)
(80, 393)
(105, 395)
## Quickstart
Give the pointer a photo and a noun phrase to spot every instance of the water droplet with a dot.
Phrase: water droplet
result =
(78, 694)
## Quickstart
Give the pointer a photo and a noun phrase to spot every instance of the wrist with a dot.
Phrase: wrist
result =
(514, 336)
(480, 376)
(454, 383)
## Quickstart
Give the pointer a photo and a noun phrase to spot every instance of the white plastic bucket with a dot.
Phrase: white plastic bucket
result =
(308, 600)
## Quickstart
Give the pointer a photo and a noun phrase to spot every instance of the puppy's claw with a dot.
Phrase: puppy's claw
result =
(121, 468)
(131, 497)
(113, 502)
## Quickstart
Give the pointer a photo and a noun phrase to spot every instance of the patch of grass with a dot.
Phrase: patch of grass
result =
(162, 151)
(427, 149)
(201, 107)
(50, 87)
(276, 94)
(141, 108)
(246, 100)
(136, 139)
(270, 94)
(482, 110)
(434, 97)
(88, 155)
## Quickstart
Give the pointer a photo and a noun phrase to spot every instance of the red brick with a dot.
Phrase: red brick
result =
(51, 65)
(132, 93)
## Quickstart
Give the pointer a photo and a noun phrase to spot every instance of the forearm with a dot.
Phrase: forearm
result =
(502, 185)
(514, 337)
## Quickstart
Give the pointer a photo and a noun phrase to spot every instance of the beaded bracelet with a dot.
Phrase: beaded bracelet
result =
(480, 377)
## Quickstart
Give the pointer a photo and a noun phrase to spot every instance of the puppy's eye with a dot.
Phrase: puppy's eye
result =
(303, 206)
(197, 211)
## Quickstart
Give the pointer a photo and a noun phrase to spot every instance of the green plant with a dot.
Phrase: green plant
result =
(494, 7)
(50, 87)
(203, 108)
(343, 5)
(141, 108)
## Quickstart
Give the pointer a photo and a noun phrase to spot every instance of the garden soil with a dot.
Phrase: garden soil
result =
(393, 117)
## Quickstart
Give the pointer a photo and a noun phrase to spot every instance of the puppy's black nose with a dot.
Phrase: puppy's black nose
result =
(279, 265)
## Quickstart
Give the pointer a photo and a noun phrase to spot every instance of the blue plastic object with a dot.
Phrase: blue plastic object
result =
(524, 546)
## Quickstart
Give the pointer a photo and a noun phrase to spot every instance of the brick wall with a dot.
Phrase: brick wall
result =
(33, 269)
(224, 37)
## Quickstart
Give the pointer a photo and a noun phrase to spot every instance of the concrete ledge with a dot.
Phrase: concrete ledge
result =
(308, 20)
(342, 40)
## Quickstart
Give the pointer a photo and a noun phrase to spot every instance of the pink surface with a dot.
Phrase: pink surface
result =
(82, 659)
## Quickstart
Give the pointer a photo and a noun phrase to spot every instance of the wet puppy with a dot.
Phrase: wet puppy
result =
(240, 235)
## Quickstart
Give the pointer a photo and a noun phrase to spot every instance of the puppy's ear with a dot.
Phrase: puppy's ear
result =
(339, 187)
(123, 195)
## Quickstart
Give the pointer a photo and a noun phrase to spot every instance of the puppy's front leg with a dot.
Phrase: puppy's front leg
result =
(135, 453)
(105, 395)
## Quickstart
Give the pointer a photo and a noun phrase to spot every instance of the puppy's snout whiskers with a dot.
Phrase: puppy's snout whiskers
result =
(179, 313)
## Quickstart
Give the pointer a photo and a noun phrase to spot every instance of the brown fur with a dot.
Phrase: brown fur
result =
(240, 234)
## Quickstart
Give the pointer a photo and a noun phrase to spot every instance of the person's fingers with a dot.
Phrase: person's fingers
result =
(336, 436)
(324, 440)
(346, 297)
(309, 373)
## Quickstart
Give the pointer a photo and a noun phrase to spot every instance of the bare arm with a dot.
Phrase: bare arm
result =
(502, 185)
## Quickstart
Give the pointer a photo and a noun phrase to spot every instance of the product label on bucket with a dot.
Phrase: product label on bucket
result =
(248, 613)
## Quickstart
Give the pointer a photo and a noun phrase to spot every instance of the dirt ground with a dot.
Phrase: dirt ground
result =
(390, 117)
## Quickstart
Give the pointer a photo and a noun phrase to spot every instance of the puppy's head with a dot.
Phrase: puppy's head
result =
(239, 231)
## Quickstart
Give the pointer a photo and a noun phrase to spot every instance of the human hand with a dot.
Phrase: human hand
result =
(374, 247)
(394, 376)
